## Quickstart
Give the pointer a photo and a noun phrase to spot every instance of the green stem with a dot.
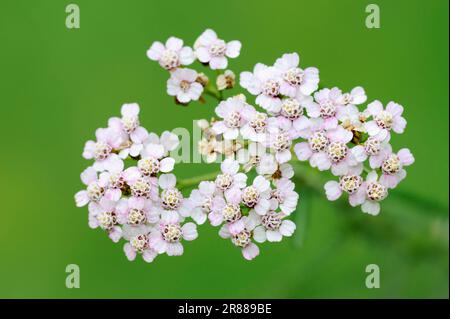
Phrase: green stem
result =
(193, 181)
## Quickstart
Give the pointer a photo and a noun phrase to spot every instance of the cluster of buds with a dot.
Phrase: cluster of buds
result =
(253, 195)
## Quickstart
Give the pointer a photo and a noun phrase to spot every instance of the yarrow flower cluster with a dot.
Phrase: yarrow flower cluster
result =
(253, 195)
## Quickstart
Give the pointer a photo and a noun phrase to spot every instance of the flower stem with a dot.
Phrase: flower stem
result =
(194, 181)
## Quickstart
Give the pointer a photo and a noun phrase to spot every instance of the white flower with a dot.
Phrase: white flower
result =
(294, 79)
(257, 195)
(265, 82)
(201, 200)
(285, 195)
(273, 227)
(171, 55)
(183, 86)
(212, 50)
(385, 120)
(243, 239)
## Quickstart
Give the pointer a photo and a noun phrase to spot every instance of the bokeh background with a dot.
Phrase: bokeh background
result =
(58, 85)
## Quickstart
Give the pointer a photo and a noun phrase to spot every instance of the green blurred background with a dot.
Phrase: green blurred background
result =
(58, 85)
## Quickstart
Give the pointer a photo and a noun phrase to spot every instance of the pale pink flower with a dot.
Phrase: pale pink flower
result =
(139, 244)
(141, 185)
(280, 142)
(273, 227)
(210, 49)
(95, 191)
(374, 149)
(294, 79)
(392, 167)
(257, 195)
(285, 195)
(243, 239)
(108, 140)
(330, 104)
(230, 182)
(137, 211)
(159, 147)
(385, 120)
(235, 113)
(264, 82)
(292, 118)
(356, 96)
(183, 86)
(349, 184)
(370, 193)
(171, 198)
(171, 55)
(105, 217)
(130, 125)
(201, 200)
(257, 126)
(167, 237)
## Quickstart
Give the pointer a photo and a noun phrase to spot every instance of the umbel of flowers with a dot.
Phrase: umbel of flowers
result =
(251, 198)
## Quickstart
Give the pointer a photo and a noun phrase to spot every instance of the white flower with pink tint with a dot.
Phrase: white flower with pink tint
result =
(285, 195)
(280, 141)
(171, 55)
(392, 167)
(230, 181)
(385, 120)
(159, 147)
(294, 79)
(257, 126)
(349, 184)
(292, 118)
(102, 151)
(140, 185)
(95, 191)
(356, 96)
(182, 84)
(139, 244)
(257, 195)
(167, 237)
(242, 239)
(330, 104)
(265, 82)
(235, 112)
(137, 211)
(105, 217)
(273, 227)
(374, 149)
(129, 124)
(210, 49)
(370, 193)
(201, 200)
(171, 198)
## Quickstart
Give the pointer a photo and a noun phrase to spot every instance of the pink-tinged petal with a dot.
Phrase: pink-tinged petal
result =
(231, 133)
(233, 49)
(81, 198)
(195, 91)
(219, 127)
(129, 252)
(372, 177)
(139, 135)
(375, 108)
(372, 128)
(405, 157)
(240, 180)
(340, 134)
(332, 190)
(186, 56)
(283, 156)
(303, 151)
(149, 255)
(215, 218)
(89, 148)
(287, 228)
(399, 125)
(356, 169)
(259, 234)
(229, 166)
(261, 184)
(170, 217)
(113, 163)
(371, 208)
(131, 175)
(394, 108)
(92, 221)
(183, 97)
(154, 150)
(130, 110)
(156, 50)
(157, 243)
(88, 176)
(174, 249)
(206, 38)
(95, 208)
(173, 87)
(358, 95)
(262, 207)
(136, 202)
(167, 164)
(189, 231)
(287, 61)
(198, 216)
(320, 160)
(250, 82)
(288, 90)
(236, 227)
(250, 251)
(302, 123)
(376, 161)
(169, 140)
(330, 123)
(339, 169)
(166, 181)
(115, 123)
(107, 205)
(359, 153)
(271, 104)
(313, 110)
(273, 236)
(115, 234)
(217, 63)
(207, 188)
(203, 55)
(224, 232)
(174, 44)
(357, 198)
(233, 195)
(390, 181)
